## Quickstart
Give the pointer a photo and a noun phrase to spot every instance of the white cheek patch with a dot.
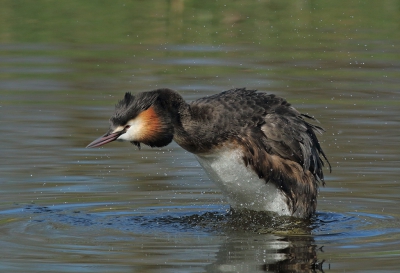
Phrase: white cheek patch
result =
(134, 132)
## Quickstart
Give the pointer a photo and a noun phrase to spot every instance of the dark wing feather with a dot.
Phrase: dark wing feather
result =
(291, 137)
(286, 133)
(278, 143)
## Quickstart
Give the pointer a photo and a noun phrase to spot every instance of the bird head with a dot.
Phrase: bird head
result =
(141, 118)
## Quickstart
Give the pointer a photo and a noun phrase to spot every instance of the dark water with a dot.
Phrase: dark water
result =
(63, 65)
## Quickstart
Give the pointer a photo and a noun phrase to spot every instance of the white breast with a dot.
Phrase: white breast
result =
(241, 184)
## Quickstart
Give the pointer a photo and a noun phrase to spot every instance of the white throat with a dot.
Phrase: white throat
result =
(241, 184)
(134, 132)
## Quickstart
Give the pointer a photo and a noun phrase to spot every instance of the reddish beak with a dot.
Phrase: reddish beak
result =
(106, 138)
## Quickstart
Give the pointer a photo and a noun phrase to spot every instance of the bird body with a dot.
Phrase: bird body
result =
(243, 188)
(256, 147)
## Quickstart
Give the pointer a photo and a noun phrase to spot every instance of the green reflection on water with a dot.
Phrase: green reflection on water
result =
(276, 23)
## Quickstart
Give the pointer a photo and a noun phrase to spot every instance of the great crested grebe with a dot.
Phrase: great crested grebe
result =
(256, 147)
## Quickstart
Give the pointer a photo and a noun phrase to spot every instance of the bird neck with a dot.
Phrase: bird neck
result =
(173, 106)
(175, 114)
(193, 125)
(193, 129)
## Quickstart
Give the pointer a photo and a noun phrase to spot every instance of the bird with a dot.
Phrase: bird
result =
(260, 151)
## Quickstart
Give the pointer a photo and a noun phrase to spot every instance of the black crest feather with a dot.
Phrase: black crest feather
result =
(131, 106)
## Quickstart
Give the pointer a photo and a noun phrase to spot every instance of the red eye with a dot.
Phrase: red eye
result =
(127, 127)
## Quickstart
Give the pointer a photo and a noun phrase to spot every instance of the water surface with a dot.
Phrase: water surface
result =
(65, 208)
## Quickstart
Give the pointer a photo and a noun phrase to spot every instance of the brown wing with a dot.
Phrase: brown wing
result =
(282, 129)
(277, 142)
(288, 135)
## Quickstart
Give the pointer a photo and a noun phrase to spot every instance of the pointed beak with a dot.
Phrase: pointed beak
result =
(106, 138)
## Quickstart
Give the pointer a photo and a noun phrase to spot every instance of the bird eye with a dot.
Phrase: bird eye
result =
(127, 127)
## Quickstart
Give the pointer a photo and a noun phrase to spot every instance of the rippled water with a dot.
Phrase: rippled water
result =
(65, 208)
